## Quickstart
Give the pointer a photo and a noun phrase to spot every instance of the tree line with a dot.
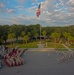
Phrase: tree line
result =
(56, 33)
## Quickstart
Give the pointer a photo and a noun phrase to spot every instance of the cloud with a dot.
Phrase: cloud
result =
(7, 11)
(53, 12)
(25, 1)
(61, 12)
(21, 1)
(57, 5)
(2, 5)
(72, 1)
(31, 9)
(34, 1)
(19, 7)
(5, 21)
(10, 10)
(47, 12)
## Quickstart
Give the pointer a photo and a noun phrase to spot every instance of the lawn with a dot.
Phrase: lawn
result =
(71, 46)
(12, 46)
(34, 44)
(54, 45)
(29, 45)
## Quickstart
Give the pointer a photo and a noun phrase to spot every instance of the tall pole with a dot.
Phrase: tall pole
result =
(38, 15)
(40, 22)
(39, 30)
(40, 34)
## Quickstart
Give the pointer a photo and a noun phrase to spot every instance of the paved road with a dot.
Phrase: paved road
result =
(40, 63)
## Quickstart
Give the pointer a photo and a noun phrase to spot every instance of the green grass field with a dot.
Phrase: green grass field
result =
(54, 45)
(29, 45)
(34, 44)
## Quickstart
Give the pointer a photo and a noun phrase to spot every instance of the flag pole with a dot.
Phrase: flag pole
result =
(40, 32)
(40, 22)
(38, 15)
(40, 25)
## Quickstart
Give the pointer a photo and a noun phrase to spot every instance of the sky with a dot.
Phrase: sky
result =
(53, 12)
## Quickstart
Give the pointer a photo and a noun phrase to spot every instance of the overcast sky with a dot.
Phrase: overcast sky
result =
(53, 12)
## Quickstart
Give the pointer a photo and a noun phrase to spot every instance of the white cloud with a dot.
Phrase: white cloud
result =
(53, 12)
(21, 1)
(7, 21)
(2, 5)
(25, 1)
(19, 7)
(10, 10)
(57, 5)
(32, 9)
(47, 12)
(72, 1)
(45, 5)
(34, 1)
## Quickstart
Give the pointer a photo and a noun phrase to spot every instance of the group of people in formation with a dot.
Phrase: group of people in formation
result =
(65, 56)
(2, 48)
(11, 57)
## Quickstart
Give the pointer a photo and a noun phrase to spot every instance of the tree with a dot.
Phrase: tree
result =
(26, 38)
(33, 29)
(71, 30)
(44, 33)
(55, 36)
(11, 36)
(36, 35)
(71, 39)
(66, 35)
(23, 33)
(17, 29)
(1, 31)
(1, 41)
(29, 34)
(5, 32)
